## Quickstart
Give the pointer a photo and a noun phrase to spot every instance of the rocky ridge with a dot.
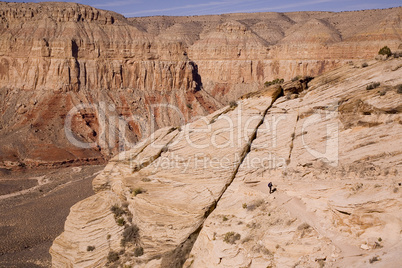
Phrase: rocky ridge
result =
(56, 56)
(196, 196)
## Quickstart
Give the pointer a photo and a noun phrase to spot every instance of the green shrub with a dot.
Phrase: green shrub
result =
(138, 191)
(189, 106)
(274, 82)
(373, 85)
(385, 51)
(120, 221)
(138, 251)
(231, 237)
(90, 248)
(112, 256)
(225, 218)
(244, 205)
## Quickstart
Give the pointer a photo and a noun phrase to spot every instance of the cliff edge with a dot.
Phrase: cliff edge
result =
(197, 195)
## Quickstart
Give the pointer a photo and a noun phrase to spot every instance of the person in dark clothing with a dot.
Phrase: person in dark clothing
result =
(270, 187)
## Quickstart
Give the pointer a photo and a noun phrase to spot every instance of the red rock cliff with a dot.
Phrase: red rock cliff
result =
(55, 56)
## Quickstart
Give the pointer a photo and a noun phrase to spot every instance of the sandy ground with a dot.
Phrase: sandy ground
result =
(33, 208)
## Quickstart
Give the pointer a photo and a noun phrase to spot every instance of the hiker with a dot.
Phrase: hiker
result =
(270, 187)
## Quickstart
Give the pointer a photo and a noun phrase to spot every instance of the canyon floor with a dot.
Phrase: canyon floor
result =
(33, 206)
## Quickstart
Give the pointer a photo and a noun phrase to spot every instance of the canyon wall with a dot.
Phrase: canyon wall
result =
(197, 195)
(154, 71)
(124, 83)
(236, 53)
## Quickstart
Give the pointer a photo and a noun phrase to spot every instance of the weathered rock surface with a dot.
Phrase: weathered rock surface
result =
(198, 193)
(55, 56)
(165, 169)
(342, 211)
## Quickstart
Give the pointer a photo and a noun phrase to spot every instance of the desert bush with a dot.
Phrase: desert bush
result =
(372, 85)
(385, 51)
(138, 251)
(255, 205)
(303, 226)
(233, 104)
(377, 245)
(252, 225)
(244, 205)
(357, 187)
(120, 221)
(231, 237)
(138, 191)
(274, 82)
(294, 79)
(117, 211)
(399, 89)
(364, 65)
(261, 249)
(189, 106)
(374, 259)
(131, 234)
(397, 54)
(90, 248)
(224, 218)
(112, 256)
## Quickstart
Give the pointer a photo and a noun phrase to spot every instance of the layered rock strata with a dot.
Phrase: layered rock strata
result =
(57, 56)
(334, 164)
(197, 195)
(165, 169)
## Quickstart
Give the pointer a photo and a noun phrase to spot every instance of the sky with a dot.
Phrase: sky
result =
(141, 8)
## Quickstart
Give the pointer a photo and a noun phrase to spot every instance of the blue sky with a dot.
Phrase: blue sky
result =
(139, 8)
